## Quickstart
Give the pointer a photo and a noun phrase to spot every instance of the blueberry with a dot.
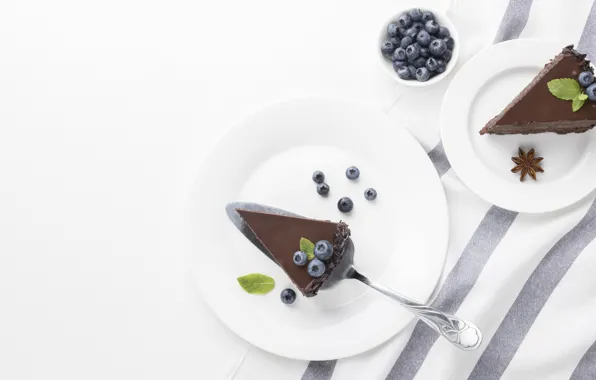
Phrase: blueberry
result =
(316, 268)
(352, 173)
(431, 27)
(450, 42)
(412, 71)
(323, 189)
(395, 41)
(432, 64)
(288, 296)
(412, 52)
(403, 32)
(399, 54)
(370, 194)
(345, 204)
(424, 52)
(591, 92)
(300, 258)
(403, 72)
(405, 42)
(323, 250)
(392, 30)
(318, 176)
(398, 64)
(586, 78)
(447, 56)
(422, 74)
(443, 32)
(387, 47)
(419, 62)
(418, 26)
(404, 20)
(415, 14)
(427, 16)
(412, 32)
(437, 47)
(441, 66)
(423, 38)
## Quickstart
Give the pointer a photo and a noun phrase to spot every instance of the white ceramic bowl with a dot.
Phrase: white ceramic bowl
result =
(443, 20)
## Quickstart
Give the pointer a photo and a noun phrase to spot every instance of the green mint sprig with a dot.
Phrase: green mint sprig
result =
(307, 247)
(256, 283)
(568, 89)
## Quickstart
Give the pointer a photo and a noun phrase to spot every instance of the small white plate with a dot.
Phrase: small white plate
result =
(479, 91)
(400, 238)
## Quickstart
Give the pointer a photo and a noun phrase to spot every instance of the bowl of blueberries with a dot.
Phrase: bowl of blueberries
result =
(418, 47)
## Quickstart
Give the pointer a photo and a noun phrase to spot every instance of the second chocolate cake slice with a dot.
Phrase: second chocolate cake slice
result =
(536, 110)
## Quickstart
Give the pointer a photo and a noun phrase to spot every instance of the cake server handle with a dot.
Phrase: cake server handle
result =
(459, 332)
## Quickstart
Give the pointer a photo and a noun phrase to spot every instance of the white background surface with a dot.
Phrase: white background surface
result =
(106, 107)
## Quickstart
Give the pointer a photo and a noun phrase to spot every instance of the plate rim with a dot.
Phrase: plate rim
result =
(443, 213)
(458, 156)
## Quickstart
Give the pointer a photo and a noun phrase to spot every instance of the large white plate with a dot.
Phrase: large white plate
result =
(400, 239)
(479, 91)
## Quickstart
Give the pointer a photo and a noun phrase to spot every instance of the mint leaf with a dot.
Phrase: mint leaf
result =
(577, 103)
(256, 283)
(565, 88)
(583, 96)
(307, 247)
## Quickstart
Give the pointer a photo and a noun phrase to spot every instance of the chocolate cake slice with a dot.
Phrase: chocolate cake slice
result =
(536, 110)
(281, 236)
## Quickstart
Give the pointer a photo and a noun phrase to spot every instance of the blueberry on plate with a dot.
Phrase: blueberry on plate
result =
(415, 14)
(419, 62)
(405, 42)
(418, 26)
(403, 72)
(591, 92)
(288, 296)
(424, 52)
(316, 268)
(403, 32)
(392, 30)
(441, 66)
(345, 204)
(399, 64)
(423, 38)
(450, 42)
(300, 258)
(427, 16)
(370, 194)
(432, 64)
(447, 55)
(323, 189)
(395, 41)
(431, 27)
(323, 250)
(318, 176)
(352, 173)
(404, 20)
(412, 52)
(387, 47)
(399, 55)
(443, 32)
(586, 78)
(412, 71)
(437, 47)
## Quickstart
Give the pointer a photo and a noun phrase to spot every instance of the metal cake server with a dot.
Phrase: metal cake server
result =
(459, 332)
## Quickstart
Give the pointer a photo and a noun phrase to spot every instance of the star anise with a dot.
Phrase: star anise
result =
(527, 164)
